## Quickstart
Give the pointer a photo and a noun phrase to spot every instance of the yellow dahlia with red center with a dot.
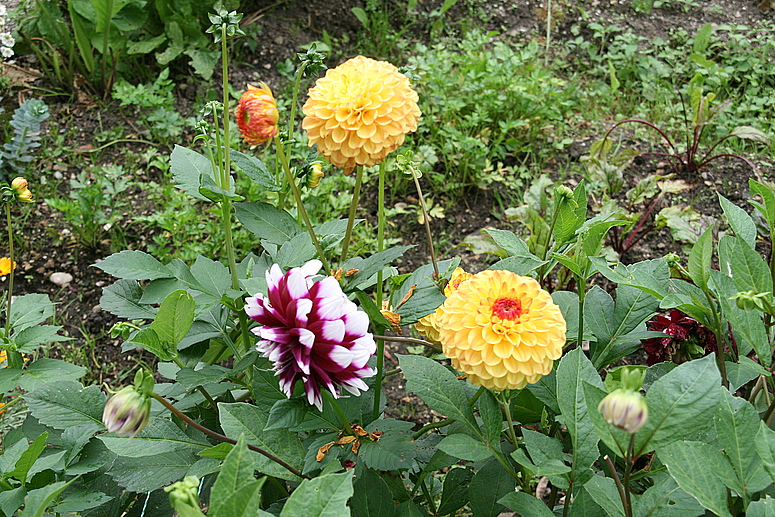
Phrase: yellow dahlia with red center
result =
(257, 114)
(501, 329)
(359, 112)
(427, 324)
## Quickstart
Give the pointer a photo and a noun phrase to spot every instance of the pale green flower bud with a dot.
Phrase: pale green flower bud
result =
(625, 410)
(184, 497)
(127, 412)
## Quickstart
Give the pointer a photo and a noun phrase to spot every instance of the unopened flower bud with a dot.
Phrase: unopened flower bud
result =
(25, 196)
(315, 175)
(672, 260)
(19, 184)
(184, 496)
(257, 114)
(750, 301)
(625, 410)
(127, 412)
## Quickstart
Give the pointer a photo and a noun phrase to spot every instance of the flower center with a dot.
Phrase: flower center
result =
(507, 308)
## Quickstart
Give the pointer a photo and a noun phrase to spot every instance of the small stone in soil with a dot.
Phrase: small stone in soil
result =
(60, 279)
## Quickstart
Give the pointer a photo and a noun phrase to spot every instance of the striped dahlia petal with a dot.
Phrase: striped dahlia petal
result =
(312, 333)
(257, 114)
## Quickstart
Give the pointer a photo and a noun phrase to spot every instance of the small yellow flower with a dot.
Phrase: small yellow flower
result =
(257, 114)
(19, 184)
(24, 196)
(315, 175)
(5, 266)
(501, 329)
(359, 112)
(427, 325)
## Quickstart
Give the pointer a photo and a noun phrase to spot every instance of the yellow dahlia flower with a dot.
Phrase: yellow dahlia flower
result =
(359, 112)
(427, 324)
(501, 329)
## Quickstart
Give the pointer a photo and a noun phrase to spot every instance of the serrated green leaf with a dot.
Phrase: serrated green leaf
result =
(150, 473)
(372, 497)
(191, 378)
(700, 469)
(28, 458)
(12, 500)
(395, 450)
(37, 501)
(492, 417)
(255, 169)
(487, 487)
(148, 339)
(187, 166)
(287, 413)
(525, 504)
(604, 493)
(680, 403)
(438, 387)
(324, 496)
(159, 437)
(666, 499)
(122, 299)
(29, 310)
(465, 447)
(370, 266)
(239, 418)
(174, 319)
(454, 493)
(765, 447)
(744, 264)
(739, 220)
(699, 259)
(761, 508)
(267, 222)
(32, 337)
(66, 403)
(134, 265)
(767, 206)
(236, 493)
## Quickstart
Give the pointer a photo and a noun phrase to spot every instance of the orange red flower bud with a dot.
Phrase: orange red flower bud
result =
(257, 114)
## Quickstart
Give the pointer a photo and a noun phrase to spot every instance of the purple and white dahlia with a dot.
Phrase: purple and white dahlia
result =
(312, 332)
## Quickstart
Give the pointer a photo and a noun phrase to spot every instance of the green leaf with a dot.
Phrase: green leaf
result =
(743, 263)
(255, 169)
(152, 472)
(28, 458)
(134, 265)
(267, 222)
(680, 403)
(66, 403)
(159, 437)
(32, 337)
(38, 500)
(702, 38)
(745, 324)
(519, 265)
(465, 447)
(372, 497)
(751, 133)
(573, 370)
(767, 206)
(736, 421)
(765, 447)
(739, 220)
(122, 299)
(700, 469)
(148, 339)
(652, 276)
(603, 491)
(761, 508)
(29, 310)
(454, 493)
(666, 499)
(239, 418)
(438, 387)
(425, 297)
(77, 501)
(553, 468)
(492, 417)
(324, 496)
(743, 372)
(545, 390)
(212, 277)
(12, 500)
(525, 504)
(700, 259)
(236, 493)
(546, 451)
(187, 168)
(39, 372)
(617, 326)
(370, 266)
(191, 378)
(487, 487)
(395, 450)
(174, 319)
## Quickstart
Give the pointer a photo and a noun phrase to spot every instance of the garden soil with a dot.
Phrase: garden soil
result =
(47, 245)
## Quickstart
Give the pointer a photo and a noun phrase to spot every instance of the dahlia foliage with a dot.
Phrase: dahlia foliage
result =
(257, 114)
(359, 112)
(501, 329)
(312, 333)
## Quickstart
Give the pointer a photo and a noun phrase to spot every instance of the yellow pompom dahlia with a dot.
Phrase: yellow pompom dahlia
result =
(501, 329)
(427, 324)
(359, 112)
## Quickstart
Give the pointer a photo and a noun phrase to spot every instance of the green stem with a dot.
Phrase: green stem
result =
(351, 215)
(300, 203)
(627, 472)
(342, 417)
(582, 294)
(619, 486)
(10, 275)
(380, 224)
(432, 426)
(226, 439)
(428, 234)
(506, 407)
(399, 339)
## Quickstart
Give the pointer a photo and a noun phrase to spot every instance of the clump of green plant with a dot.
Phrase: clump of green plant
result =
(484, 102)
(23, 137)
(93, 204)
(153, 103)
(379, 39)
